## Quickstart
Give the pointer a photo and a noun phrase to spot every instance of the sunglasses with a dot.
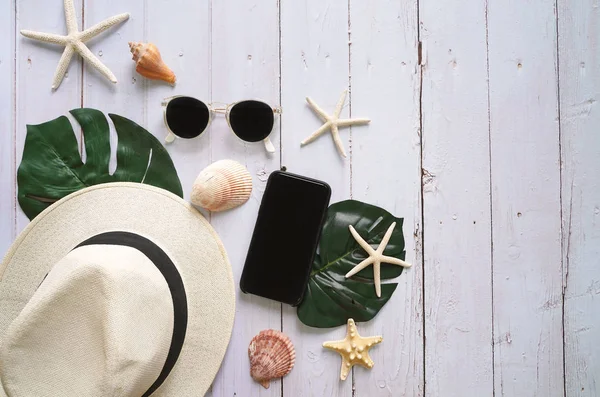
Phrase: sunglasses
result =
(251, 120)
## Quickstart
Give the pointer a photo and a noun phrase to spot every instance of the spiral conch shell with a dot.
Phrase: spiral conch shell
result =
(223, 185)
(149, 62)
(272, 356)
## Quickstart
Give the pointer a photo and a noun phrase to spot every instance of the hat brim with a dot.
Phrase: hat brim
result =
(170, 222)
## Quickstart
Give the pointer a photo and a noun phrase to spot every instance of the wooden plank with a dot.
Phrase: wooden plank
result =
(36, 64)
(244, 65)
(128, 97)
(526, 199)
(580, 150)
(386, 168)
(181, 31)
(315, 63)
(456, 200)
(7, 126)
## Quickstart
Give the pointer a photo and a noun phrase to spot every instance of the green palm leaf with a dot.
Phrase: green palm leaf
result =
(330, 298)
(52, 167)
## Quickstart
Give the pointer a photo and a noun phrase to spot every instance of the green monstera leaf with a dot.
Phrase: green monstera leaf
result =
(52, 167)
(331, 299)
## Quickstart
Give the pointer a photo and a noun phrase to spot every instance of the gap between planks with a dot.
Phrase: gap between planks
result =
(489, 119)
(564, 257)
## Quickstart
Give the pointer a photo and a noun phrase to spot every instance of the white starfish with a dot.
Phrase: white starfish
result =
(74, 42)
(332, 123)
(376, 257)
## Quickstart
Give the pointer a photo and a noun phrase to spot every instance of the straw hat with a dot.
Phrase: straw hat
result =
(119, 289)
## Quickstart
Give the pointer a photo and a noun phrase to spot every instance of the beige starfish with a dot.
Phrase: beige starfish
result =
(354, 349)
(74, 42)
(376, 257)
(332, 123)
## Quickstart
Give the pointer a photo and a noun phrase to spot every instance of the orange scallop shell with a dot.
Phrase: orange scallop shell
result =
(272, 356)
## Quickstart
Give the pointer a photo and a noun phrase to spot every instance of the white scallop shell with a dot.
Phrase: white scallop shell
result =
(223, 185)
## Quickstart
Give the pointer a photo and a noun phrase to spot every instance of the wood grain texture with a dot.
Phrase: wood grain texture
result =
(579, 57)
(456, 200)
(314, 63)
(7, 127)
(526, 199)
(245, 65)
(504, 91)
(385, 87)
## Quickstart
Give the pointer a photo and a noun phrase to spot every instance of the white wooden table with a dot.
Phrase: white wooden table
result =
(485, 138)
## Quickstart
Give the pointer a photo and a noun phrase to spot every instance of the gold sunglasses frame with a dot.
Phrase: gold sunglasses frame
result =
(217, 108)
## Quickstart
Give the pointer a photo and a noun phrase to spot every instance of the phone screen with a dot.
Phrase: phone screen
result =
(285, 237)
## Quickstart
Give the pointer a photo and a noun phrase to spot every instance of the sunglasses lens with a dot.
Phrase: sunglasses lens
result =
(187, 117)
(251, 121)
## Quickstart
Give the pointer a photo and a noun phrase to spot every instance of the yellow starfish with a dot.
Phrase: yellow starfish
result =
(354, 349)
(375, 257)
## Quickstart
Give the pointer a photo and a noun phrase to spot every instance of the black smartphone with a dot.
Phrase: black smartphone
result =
(285, 238)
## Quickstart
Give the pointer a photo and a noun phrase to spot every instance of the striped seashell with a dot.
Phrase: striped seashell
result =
(223, 185)
(272, 356)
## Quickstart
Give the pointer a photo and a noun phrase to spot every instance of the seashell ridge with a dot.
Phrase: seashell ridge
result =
(223, 185)
(272, 356)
